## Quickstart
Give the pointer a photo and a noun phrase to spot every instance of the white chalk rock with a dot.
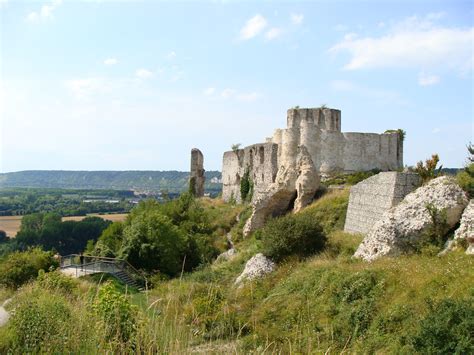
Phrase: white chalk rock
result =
(258, 266)
(403, 225)
(227, 255)
(466, 228)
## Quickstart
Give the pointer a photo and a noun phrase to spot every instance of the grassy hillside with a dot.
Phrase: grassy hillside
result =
(173, 181)
(327, 303)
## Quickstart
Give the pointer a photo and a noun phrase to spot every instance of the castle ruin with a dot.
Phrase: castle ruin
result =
(286, 170)
(197, 178)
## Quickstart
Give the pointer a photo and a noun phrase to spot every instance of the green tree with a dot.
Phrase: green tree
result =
(3, 236)
(470, 149)
(21, 267)
(153, 243)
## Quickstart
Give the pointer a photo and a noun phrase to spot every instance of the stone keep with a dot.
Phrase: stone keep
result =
(371, 198)
(196, 179)
(286, 169)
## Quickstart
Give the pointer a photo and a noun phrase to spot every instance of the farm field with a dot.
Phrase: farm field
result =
(11, 224)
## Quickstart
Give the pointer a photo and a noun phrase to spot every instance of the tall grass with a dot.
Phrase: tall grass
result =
(328, 303)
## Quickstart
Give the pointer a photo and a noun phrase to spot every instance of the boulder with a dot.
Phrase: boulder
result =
(258, 266)
(225, 256)
(465, 232)
(403, 225)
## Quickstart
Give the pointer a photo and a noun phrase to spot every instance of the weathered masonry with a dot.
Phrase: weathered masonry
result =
(286, 169)
(197, 178)
(371, 198)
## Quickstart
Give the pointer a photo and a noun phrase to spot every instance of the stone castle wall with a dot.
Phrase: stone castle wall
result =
(260, 160)
(371, 198)
(286, 170)
(331, 151)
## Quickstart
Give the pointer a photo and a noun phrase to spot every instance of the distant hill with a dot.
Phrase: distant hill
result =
(173, 181)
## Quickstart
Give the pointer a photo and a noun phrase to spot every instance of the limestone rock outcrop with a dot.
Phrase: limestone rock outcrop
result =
(294, 188)
(466, 228)
(258, 266)
(402, 226)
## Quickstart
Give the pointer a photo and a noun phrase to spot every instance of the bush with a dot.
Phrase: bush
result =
(246, 187)
(118, 318)
(21, 267)
(153, 243)
(435, 234)
(429, 170)
(298, 234)
(40, 322)
(447, 329)
(465, 179)
(56, 281)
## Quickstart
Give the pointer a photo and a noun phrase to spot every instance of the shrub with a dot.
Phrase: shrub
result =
(152, 242)
(446, 329)
(465, 179)
(118, 318)
(40, 322)
(401, 133)
(298, 234)
(21, 267)
(436, 232)
(235, 147)
(56, 281)
(246, 187)
(428, 171)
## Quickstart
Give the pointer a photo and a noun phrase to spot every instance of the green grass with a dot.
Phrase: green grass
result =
(328, 302)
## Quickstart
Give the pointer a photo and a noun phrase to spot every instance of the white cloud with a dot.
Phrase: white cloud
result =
(253, 27)
(297, 19)
(425, 79)
(171, 55)
(82, 88)
(143, 73)
(248, 97)
(414, 42)
(209, 91)
(436, 130)
(273, 33)
(350, 36)
(227, 93)
(110, 61)
(44, 13)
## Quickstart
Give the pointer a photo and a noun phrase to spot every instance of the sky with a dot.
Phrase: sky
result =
(135, 85)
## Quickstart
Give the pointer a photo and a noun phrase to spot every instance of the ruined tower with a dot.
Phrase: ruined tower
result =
(287, 168)
(196, 179)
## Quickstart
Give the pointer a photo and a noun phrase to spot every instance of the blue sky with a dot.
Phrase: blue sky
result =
(134, 85)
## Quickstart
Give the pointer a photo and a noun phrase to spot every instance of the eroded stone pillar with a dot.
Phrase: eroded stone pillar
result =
(196, 179)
